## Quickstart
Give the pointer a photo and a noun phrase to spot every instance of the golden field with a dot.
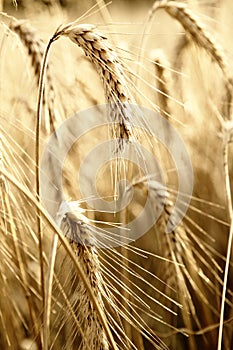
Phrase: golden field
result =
(87, 259)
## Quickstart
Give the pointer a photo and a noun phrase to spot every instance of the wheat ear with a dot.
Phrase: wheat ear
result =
(187, 273)
(35, 48)
(79, 233)
(163, 81)
(196, 30)
(109, 67)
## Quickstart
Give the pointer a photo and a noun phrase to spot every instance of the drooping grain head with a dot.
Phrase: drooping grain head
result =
(163, 80)
(35, 48)
(95, 45)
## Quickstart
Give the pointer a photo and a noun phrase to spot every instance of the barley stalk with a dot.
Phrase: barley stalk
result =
(191, 266)
(111, 72)
(227, 134)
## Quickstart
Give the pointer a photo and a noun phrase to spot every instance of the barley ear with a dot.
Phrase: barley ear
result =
(35, 48)
(200, 36)
(76, 228)
(163, 79)
(109, 67)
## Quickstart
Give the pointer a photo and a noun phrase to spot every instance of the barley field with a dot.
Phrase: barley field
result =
(116, 216)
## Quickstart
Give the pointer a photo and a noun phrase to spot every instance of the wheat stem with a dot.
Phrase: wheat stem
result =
(37, 163)
(48, 293)
(230, 238)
